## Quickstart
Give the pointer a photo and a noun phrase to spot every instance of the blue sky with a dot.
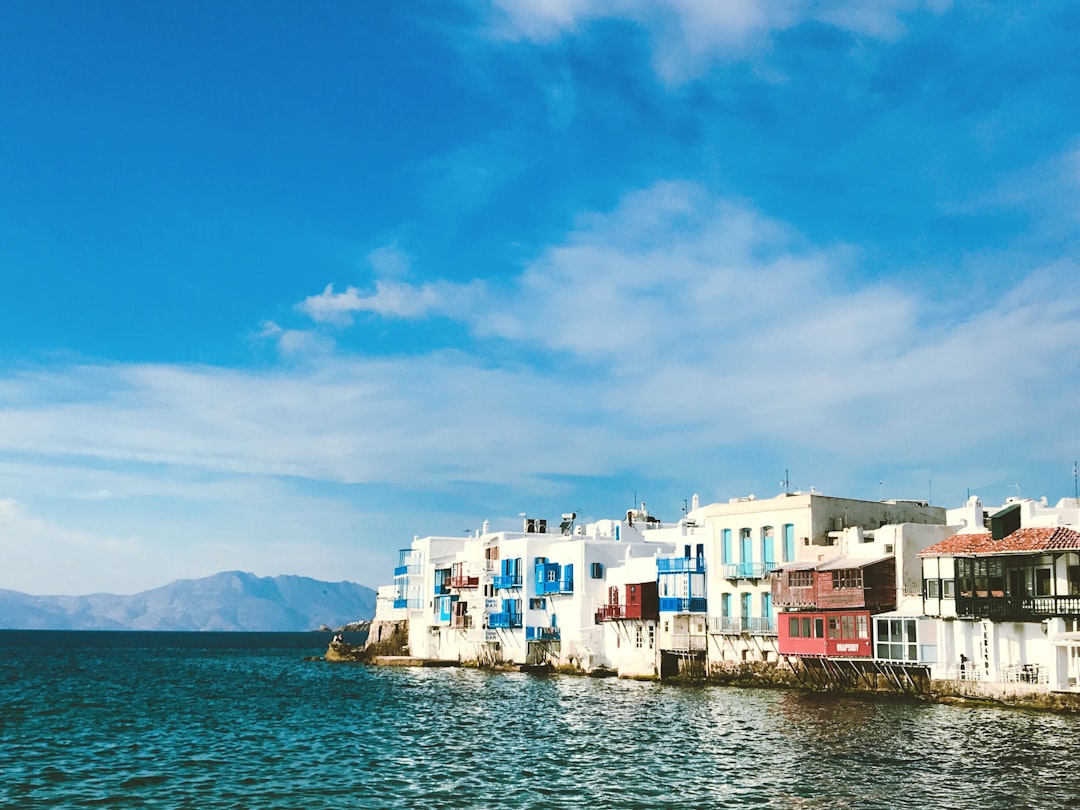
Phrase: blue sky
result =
(283, 287)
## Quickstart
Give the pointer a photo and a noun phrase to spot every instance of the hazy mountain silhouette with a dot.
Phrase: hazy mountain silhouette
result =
(231, 600)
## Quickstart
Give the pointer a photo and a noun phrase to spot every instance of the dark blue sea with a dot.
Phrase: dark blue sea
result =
(241, 720)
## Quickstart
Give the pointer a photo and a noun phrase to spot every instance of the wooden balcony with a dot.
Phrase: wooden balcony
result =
(1017, 608)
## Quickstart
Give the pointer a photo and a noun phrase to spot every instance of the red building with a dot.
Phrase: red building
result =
(825, 607)
(638, 600)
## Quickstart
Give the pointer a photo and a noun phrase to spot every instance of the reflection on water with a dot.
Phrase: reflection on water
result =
(246, 722)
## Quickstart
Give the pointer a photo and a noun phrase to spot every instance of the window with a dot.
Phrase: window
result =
(860, 622)
(897, 640)
(1074, 580)
(536, 604)
(639, 637)
(800, 579)
(847, 625)
(652, 636)
(552, 573)
(834, 627)
(847, 578)
(596, 570)
(933, 588)
(793, 627)
(806, 628)
(819, 628)
(948, 588)
(1042, 581)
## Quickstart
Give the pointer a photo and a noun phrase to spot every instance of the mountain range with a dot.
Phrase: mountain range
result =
(231, 600)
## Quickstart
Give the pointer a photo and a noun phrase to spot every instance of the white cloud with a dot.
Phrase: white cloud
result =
(390, 299)
(688, 34)
(389, 261)
(675, 314)
(292, 342)
(658, 339)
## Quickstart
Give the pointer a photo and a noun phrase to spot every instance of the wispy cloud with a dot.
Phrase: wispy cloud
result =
(688, 34)
(389, 299)
(292, 342)
(666, 338)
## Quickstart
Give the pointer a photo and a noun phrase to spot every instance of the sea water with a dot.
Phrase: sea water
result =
(206, 720)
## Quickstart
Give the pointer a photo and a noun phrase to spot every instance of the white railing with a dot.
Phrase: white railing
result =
(685, 641)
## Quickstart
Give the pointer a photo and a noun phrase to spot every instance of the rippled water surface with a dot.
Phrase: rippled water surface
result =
(242, 720)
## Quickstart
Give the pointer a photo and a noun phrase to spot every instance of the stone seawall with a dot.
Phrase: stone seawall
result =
(390, 640)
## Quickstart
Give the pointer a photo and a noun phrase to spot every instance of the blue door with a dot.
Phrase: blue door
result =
(768, 549)
(746, 543)
(789, 542)
(727, 550)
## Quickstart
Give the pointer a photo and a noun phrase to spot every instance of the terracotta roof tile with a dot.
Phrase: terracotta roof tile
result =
(957, 544)
(1041, 538)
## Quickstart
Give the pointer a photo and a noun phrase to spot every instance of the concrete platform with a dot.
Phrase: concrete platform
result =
(412, 661)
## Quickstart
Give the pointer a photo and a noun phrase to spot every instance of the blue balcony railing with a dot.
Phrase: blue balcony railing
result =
(504, 621)
(402, 570)
(542, 634)
(748, 570)
(680, 565)
(504, 581)
(682, 604)
(409, 604)
(563, 585)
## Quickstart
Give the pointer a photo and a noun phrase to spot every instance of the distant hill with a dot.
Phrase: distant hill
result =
(232, 600)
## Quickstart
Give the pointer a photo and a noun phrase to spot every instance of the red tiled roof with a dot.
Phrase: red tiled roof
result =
(1041, 538)
(957, 544)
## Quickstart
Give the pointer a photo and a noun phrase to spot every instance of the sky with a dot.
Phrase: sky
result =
(283, 286)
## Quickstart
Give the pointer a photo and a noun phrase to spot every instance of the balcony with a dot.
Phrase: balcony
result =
(738, 625)
(686, 642)
(554, 586)
(681, 604)
(1017, 608)
(680, 565)
(542, 634)
(464, 582)
(504, 581)
(796, 597)
(748, 570)
(461, 621)
(403, 570)
(408, 604)
(608, 613)
(504, 621)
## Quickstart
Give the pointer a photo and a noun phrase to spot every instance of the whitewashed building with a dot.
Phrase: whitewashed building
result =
(751, 537)
(1007, 601)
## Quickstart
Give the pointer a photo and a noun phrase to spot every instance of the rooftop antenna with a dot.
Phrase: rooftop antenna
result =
(786, 483)
(1076, 491)
(685, 506)
(930, 491)
(1017, 490)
